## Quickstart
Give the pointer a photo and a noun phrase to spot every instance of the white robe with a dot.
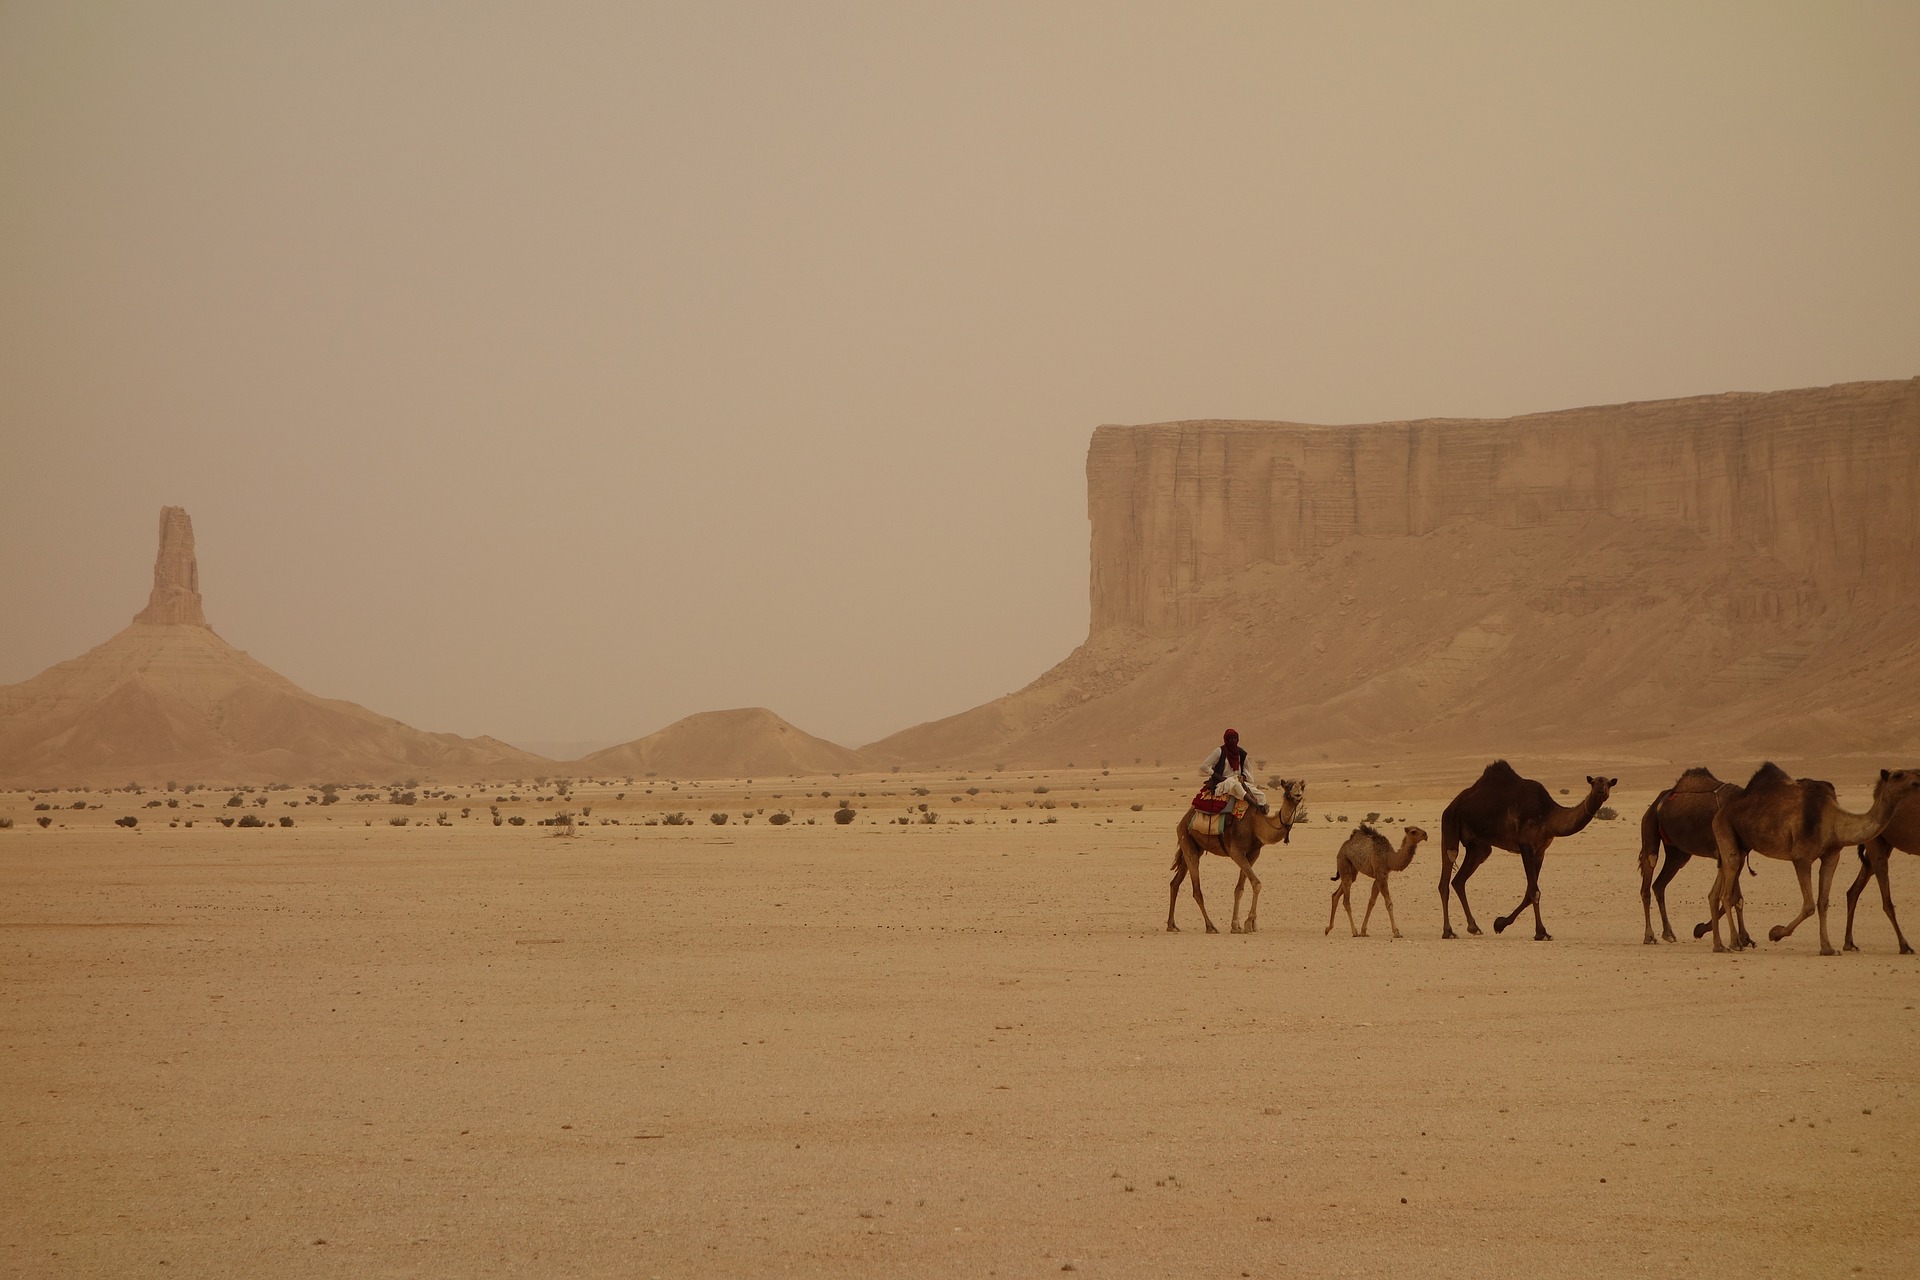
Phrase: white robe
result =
(1237, 785)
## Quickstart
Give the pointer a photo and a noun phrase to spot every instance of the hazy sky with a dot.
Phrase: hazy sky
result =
(556, 370)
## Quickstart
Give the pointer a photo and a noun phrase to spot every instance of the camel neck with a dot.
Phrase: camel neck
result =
(1567, 822)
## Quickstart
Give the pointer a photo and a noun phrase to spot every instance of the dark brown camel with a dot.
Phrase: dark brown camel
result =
(1681, 818)
(1799, 820)
(1506, 811)
(1902, 833)
(1242, 843)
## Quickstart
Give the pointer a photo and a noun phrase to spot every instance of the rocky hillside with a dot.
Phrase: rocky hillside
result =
(1735, 572)
(167, 698)
(746, 742)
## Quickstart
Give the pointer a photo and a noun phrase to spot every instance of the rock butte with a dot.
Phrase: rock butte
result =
(1733, 573)
(1736, 572)
(167, 698)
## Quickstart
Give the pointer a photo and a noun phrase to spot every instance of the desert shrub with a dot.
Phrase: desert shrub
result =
(286, 819)
(1374, 816)
(172, 803)
(497, 819)
(42, 807)
(44, 821)
(779, 819)
(6, 824)
(1136, 807)
(929, 817)
(234, 802)
(79, 804)
(151, 804)
(675, 820)
(843, 815)
(128, 821)
(1039, 791)
(253, 820)
(404, 797)
(466, 813)
(920, 791)
(226, 822)
(395, 822)
(443, 819)
(973, 791)
(1606, 813)
(717, 819)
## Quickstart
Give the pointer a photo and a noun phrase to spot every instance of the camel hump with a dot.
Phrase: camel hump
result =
(1499, 771)
(1769, 775)
(1697, 779)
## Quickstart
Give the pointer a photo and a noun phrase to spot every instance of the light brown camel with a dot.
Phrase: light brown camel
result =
(1799, 820)
(1681, 818)
(1503, 810)
(1902, 833)
(1368, 853)
(1241, 842)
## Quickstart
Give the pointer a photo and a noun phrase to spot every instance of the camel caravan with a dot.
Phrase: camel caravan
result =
(1795, 820)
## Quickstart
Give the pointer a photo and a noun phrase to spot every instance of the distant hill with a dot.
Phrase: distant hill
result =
(168, 699)
(1735, 573)
(746, 742)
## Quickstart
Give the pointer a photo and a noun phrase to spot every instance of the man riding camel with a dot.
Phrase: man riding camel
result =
(1227, 775)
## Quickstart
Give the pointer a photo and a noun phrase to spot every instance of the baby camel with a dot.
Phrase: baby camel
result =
(1367, 853)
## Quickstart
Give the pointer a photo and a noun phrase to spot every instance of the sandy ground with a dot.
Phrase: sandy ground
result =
(950, 1049)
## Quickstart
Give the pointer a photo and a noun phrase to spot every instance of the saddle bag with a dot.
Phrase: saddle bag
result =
(1207, 802)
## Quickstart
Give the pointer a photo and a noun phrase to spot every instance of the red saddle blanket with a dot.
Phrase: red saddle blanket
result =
(1207, 802)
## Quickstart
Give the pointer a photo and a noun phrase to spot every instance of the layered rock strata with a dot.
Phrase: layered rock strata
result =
(1733, 573)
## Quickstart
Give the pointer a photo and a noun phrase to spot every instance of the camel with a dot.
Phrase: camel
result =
(1503, 810)
(1681, 818)
(1241, 842)
(1799, 821)
(1902, 833)
(1367, 853)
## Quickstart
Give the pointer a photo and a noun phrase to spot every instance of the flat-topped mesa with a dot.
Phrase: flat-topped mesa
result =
(1820, 480)
(176, 575)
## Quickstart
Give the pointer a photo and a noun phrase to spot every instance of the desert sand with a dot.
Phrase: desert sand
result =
(964, 1047)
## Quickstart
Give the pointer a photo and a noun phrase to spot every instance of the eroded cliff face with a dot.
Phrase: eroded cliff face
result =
(1822, 482)
(1736, 573)
(175, 599)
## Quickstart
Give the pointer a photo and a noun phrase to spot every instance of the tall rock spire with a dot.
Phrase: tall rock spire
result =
(176, 575)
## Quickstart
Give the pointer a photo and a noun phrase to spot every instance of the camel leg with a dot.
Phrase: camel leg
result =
(1385, 895)
(1804, 869)
(1530, 859)
(1246, 877)
(1333, 908)
(1649, 846)
(1366, 917)
(1675, 860)
(1726, 880)
(1239, 886)
(1193, 874)
(1853, 898)
(1475, 855)
(1828, 865)
(1886, 904)
(1173, 890)
(1736, 907)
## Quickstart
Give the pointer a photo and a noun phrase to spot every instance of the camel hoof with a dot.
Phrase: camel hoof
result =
(1828, 951)
(1700, 931)
(1776, 933)
(1448, 933)
(1717, 948)
(1542, 936)
(1649, 941)
(1248, 928)
(1172, 927)
(1474, 929)
(1500, 925)
(1668, 937)
(1905, 950)
(1211, 929)
(1233, 928)
(1848, 946)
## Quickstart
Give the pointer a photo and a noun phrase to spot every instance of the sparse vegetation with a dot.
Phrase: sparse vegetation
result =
(128, 821)
(252, 820)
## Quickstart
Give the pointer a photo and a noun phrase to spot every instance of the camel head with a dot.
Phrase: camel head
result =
(1281, 817)
(1896, 785)
(1411, 837)
(1599, 788)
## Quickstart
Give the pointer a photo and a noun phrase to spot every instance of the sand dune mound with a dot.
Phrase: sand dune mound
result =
(1736, 573)
(745, 742)
(167, 698)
